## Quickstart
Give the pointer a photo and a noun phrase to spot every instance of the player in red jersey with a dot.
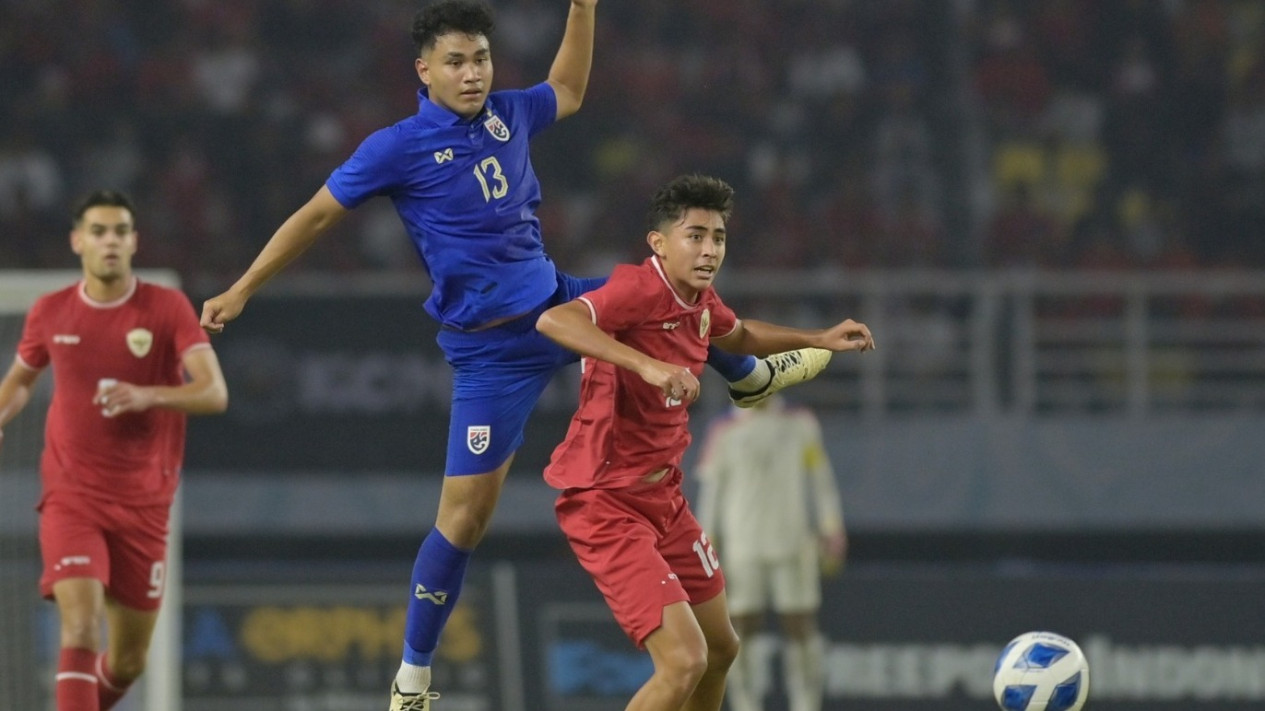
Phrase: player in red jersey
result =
(129, 363)
(644, 337)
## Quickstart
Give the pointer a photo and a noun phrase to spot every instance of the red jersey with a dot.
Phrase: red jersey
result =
(626, 428)
(135, 457)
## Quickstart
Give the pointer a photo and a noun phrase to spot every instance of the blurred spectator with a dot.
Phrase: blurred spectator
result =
(833, 117)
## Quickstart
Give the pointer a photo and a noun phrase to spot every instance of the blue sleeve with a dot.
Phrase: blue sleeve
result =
(372, 170)
(542, 107)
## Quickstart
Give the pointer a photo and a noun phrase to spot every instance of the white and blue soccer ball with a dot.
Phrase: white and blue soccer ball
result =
(1041, 671)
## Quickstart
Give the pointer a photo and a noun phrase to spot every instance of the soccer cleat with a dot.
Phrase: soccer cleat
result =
(410, 702)
(789, 368)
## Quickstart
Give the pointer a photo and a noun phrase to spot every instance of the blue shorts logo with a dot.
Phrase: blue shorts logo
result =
(478, 437)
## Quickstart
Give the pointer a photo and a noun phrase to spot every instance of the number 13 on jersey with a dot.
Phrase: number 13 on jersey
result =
(491, 179)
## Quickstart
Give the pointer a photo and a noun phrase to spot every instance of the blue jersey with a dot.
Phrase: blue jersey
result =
(467, 195)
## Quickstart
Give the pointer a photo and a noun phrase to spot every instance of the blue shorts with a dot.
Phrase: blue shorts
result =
(498, 375)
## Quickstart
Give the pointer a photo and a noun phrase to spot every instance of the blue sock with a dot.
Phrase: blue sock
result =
(731, 366)
(437, 576)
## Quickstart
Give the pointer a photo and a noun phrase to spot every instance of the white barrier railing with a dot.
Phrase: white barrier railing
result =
(1029, 342)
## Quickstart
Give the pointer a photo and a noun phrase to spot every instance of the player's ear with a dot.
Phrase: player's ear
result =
(655, 240)
(423, 70)
(76, 241)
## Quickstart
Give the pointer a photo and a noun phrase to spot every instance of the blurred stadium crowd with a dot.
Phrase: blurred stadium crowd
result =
(859, 133)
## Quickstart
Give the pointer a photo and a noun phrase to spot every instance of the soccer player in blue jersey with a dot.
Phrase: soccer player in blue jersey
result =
(459, 174)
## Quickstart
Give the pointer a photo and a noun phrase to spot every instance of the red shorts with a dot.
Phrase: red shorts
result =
(644, 549)
(124, 547)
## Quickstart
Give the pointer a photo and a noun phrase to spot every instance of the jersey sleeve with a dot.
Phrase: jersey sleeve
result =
(541, 104)
(724, 320)
(825, 491)
(33, 347)
(620, 303)
(187, 333)
(371, 170)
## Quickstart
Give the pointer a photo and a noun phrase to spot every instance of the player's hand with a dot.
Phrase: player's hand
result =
(675, 382)
(221, 309)
(848, 335)
(119, 398)
(834, 550)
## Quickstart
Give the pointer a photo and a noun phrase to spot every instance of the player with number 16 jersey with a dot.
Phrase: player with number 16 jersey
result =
(626, 428)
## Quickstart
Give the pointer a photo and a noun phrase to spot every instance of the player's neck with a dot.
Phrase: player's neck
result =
(107, 290)
(687, 293)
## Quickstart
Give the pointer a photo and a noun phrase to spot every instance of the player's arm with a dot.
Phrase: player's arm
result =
(825, 496)
(571, 326)
(760, 338)
(15, 392)
(204, 391)
(290, 240)
(569, 75)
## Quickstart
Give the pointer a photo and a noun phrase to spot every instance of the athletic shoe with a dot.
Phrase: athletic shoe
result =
(789, 368)
(410, 702)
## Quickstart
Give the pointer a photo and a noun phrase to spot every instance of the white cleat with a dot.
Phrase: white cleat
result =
(787, 369)
(410, 702)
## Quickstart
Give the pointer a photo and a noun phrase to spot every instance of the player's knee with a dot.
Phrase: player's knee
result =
(684, 667)
(81, 632)
(128, 666)
(722, 653)
(464, 527)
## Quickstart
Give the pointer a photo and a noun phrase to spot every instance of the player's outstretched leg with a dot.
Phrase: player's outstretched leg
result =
(784, 370)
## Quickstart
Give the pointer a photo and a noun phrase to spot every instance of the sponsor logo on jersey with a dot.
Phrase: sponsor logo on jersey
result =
(671, 325)
(705, 323)
(139, 341)
(439, 597)
(69, 339)
(497, 128)
(444, 155)
(70, 560)
(478, 437)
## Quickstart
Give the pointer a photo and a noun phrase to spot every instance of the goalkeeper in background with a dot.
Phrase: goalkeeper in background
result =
(130, 363)
(769, 500)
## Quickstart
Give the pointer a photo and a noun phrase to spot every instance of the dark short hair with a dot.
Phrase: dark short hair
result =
(99, 198)
(673, 200)
(469, 17)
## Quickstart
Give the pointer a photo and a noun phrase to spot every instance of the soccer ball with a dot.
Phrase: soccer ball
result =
(1041, 671)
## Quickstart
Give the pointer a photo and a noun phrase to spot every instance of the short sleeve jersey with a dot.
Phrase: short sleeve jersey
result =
(133, 458)
(467, 195)
(624, 427)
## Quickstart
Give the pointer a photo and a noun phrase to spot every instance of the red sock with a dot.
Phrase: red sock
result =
(76, 684)
(109, 690)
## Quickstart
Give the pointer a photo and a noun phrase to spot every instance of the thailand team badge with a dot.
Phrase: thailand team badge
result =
(497, 128)
(478, 437)
(139, 341)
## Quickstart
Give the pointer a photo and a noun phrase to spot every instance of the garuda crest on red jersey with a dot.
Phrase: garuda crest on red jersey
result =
(705, 323)
(139, 341)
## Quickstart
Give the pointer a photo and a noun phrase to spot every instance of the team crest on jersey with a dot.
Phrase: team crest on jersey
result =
(497, 128)
(478, 437)
(705, 323)
(139, 341)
